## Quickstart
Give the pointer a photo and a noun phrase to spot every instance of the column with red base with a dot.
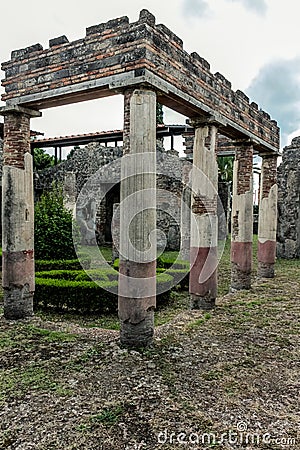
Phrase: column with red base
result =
(242, 217)
(204, 221)
(17, 214)
(267, 220)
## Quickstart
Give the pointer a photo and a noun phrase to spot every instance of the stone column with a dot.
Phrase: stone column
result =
(185, 216)
(17, 214)
(242, 217)
(267, 220)
(137, 270)
(204, 222)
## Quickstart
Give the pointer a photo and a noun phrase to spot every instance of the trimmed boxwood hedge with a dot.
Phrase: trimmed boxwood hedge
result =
(180, 276)
(70, 275)
(82, 296)
(163, 263)
(62, 264)
(98, 274)
(62, 290)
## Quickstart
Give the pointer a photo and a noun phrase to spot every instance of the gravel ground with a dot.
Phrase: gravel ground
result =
(228, 379)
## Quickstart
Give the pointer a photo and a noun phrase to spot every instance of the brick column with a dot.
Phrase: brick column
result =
(137, 271)
(267, 220)
(242, 217)
(204, 221)
(17, 214)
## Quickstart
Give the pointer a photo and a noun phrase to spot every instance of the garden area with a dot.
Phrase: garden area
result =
(225, 379)
(234, 371)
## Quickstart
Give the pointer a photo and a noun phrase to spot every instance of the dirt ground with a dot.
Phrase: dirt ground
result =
(228, 379)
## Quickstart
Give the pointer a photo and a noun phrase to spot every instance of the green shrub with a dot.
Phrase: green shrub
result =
(163, 262)
(170, 262)
(63, 264)
(180, 276)
(69, 290)
(160, 263)
(116, 264)
(81, 296)
(104, 274)
(53, 222)
(69, 275)
(42, 160)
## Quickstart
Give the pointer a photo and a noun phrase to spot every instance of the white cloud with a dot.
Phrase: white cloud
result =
(277, 89)
(196, 8)
(258, 6)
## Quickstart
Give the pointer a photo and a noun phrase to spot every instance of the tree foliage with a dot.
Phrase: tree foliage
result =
(71, 153)
(225, 168)
(159, 114)
(53, 227)
(41, 159)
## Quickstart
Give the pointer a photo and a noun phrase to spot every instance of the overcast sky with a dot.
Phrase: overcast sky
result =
(253, 43)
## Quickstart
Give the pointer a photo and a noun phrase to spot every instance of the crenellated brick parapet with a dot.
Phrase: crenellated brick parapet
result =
(118, 54)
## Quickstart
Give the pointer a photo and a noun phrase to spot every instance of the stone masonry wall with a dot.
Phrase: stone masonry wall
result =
(288, 229)
(119, 47)
(86, 161)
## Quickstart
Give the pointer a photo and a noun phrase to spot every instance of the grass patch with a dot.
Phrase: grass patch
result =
(18, 382)
(52, 336)
(197, 323)
(108, 417)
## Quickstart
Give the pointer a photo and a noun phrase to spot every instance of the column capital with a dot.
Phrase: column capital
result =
(16, 109)
(269, 155)
(201, 121)
(139, 87)
(244, 142)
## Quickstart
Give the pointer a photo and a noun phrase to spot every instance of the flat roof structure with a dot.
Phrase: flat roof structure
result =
(118, 54)
(104, 137)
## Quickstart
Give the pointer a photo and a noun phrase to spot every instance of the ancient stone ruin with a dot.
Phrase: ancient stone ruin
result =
(288, 232)
(146, 63)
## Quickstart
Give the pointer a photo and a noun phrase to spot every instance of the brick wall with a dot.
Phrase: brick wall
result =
(16, 139)
(244, 156)
(269, 174)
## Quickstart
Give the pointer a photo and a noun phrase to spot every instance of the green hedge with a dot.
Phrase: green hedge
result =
(179, 264)
(105, 274)
(163, 263)
(62, 264)
(82, 296)
(180, 276)
(69, 275)
(62, 290)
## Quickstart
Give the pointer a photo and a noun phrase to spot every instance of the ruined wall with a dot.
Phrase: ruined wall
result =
(85, 162)
(288, 230)
(88, 160)
(1, 162)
